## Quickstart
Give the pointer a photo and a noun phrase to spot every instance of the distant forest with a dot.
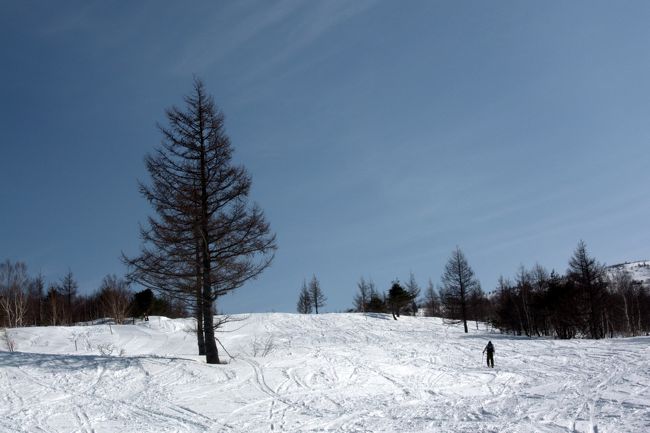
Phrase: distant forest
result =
(27, 301)
(588, 301)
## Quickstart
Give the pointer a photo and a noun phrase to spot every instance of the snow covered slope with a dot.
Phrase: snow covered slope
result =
(640, 270)
(331, 372)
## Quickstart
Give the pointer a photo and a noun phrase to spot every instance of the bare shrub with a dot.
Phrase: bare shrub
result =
(83, 337)
(115, 298)
(262, 347)
(9, 342)
(106, 349)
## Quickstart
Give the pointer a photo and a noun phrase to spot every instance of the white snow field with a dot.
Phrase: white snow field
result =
(325, 373)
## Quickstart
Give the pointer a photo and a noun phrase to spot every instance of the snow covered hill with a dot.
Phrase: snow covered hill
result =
(640, 270)
(331, 372)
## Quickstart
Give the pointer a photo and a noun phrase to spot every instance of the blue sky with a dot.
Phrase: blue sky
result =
(379, 134)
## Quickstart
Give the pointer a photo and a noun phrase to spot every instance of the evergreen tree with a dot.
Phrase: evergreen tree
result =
(376, 303)
(398, 299)
(142, 303)
(589, 279)
(562, 302)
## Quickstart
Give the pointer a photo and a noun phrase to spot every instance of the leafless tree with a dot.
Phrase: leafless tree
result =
(68, 289)
(316, 294)
(115, 298)
(431, 301)
(304, 305)
(362, 298)
(36, 300)
(414, 290)
(621, 284)
(54, 305)
(205, 233)
(14, 284)
(458, 282)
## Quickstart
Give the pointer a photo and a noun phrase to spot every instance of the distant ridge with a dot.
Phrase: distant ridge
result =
(640, 270)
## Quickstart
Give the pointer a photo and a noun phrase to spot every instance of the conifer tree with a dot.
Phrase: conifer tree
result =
(68, 288)
(398, 299)
(589, 279)
(458, 282)
(316, 294)
(304, 300)
(206, 238)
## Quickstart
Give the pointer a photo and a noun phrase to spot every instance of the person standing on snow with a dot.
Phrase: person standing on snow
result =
(490, 354)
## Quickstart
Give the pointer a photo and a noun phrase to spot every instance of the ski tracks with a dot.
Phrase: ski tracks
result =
(70, 400)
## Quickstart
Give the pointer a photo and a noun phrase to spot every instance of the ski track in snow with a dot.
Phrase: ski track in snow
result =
(331, 372)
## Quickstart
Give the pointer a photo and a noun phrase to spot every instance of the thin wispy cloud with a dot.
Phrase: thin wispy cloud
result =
(291, 26)
(215, 40)
(314, 22)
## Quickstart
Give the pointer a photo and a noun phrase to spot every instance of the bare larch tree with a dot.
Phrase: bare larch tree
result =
(458, 282)
(206, 239)
(316, 294)
(304, 305)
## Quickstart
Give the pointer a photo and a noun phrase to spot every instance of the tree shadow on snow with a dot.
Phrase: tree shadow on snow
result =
(75, 362)
(488, 336)
(382, 316)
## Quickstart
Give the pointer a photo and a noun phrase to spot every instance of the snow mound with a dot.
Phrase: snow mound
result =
(318, 373)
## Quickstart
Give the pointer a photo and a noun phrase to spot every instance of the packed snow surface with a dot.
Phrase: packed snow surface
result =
(325, 373)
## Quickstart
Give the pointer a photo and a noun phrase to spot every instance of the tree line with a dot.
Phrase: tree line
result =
(588, 300)
(28, 300)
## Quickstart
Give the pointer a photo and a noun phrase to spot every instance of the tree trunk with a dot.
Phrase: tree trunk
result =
(211, 351)
(200, 337)
(463, 307)
(627, 314)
